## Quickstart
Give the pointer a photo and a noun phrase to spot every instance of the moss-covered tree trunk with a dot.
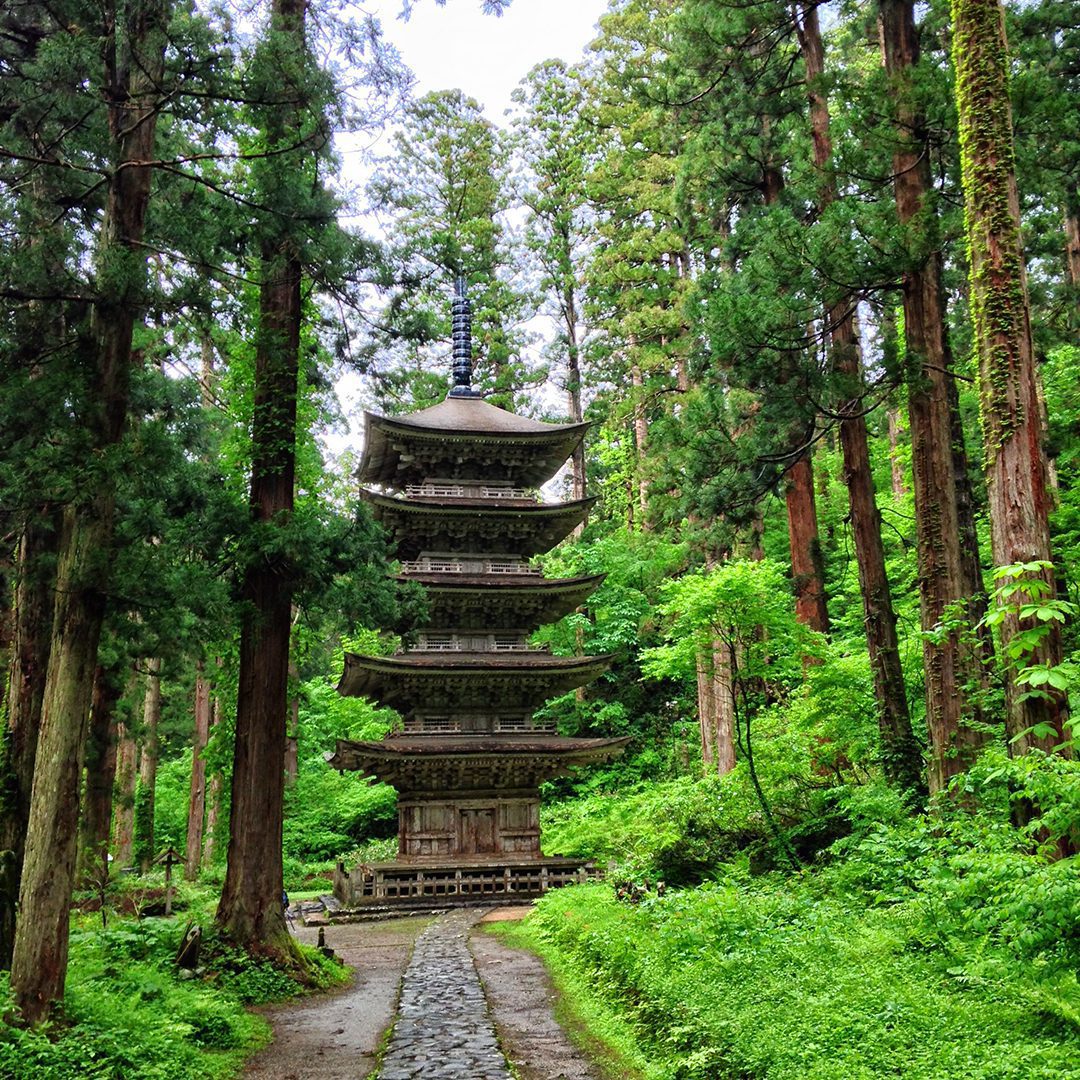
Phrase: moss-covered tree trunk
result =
(951, 661)
(134, 47)
(1013, 435)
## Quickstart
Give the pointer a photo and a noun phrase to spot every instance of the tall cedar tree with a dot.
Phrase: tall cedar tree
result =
(554, 144)
(1008, 381)
(900, 754)
(948, 572)
(445, 187)
(250, 909)
(134, 42)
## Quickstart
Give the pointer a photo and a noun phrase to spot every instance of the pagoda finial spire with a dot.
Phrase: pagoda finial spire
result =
(461, 322)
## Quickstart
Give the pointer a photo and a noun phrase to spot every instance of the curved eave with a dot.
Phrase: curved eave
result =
(404, 449)
(439, 763)
(420, 525)
(467, 600)
(467, 680)
(505, 584)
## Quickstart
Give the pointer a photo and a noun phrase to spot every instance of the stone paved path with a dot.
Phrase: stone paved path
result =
(444, 1030)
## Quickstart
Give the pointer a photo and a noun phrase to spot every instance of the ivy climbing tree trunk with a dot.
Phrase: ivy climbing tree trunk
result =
(951, 660)
(1016, 472)
(134, 45)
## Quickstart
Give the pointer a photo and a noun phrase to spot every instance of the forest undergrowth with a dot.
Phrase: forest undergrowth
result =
(944, 945)
(130, 1013)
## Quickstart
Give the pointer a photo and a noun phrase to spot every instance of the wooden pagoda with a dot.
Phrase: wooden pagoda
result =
(459, 498)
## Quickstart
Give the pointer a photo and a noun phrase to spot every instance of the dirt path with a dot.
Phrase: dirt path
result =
(521, 999)
(336, 1036)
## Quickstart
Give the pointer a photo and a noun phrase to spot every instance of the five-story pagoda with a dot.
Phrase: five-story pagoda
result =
(459, 498)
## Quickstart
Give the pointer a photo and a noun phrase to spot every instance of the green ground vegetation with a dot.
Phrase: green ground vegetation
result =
(131, 1014)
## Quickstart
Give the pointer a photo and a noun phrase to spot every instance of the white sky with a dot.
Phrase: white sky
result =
(458, 46)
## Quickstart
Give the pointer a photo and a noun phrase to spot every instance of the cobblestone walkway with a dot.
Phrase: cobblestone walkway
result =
(444, 1031)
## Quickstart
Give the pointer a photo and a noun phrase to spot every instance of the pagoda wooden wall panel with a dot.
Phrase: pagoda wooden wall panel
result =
(519, 828)
(427, 830)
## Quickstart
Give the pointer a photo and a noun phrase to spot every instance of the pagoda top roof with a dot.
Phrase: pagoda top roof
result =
(464, 437)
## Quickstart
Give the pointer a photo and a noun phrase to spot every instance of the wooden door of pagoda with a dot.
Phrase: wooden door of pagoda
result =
(477, 832)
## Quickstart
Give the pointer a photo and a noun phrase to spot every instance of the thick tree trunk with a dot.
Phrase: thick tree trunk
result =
(146, 793)
(806, 562)
(900, 754)
(250, 910)
(896, 466)
(100, 774)
(641, 445)
(39, 964)
(951, 663)
(197, 798)
(706, 701)
(1072, 246)
(124, 796)
(1008, 381)
(573, 392)
(723, 695)
(807, 568)
(214, 800)
(32, 626)
(901, 757)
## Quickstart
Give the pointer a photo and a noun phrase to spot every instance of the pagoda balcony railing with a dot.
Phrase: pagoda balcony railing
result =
(433, 724)
(468, 491)
(439, 642)
(428, 565)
